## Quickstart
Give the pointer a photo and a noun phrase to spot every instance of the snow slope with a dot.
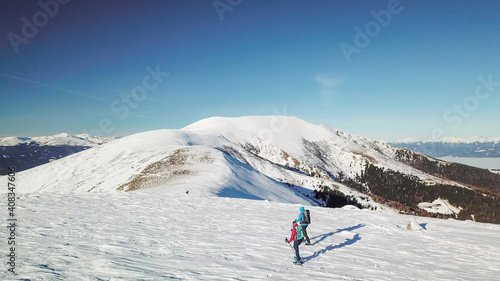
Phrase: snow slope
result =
(146, 235)
(277, 158)
(439, 206)
(167, 160)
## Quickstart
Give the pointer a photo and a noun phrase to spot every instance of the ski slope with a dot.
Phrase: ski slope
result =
(145, 235)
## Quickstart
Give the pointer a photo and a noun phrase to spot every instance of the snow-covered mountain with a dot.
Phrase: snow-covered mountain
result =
(151, 236)
(276, 158)
(57, 140)
(453, 146)
(29, 152)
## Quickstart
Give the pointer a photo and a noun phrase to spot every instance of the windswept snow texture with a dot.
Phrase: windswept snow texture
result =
(151, 236)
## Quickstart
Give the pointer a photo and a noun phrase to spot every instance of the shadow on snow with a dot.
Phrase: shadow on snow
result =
(347, 242)
(324, 236)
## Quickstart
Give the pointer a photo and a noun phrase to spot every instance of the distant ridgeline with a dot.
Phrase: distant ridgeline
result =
(26, 156)
(25, 153)
(484, 148)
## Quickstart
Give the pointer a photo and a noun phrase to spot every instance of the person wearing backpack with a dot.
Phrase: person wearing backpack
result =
(304, 221)
(297, 238)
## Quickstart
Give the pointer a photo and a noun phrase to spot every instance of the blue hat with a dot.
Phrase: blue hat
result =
(301, 209)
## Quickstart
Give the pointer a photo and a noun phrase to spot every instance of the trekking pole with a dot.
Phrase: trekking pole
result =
(286, 240)
(312, 235)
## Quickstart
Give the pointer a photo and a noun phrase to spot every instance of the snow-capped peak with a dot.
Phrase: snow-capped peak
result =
(276, 158)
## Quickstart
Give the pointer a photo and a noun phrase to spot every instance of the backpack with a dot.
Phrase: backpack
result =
(300, 234)
(307, 217)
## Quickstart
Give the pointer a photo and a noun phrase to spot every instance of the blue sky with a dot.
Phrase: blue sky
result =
(382, 69)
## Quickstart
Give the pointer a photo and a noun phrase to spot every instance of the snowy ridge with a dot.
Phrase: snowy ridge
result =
(57, 140)
(129, 164)
(275, 158)
(305, 145)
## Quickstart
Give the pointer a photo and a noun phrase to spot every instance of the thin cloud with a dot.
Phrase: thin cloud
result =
(55, 88)
(328, 82)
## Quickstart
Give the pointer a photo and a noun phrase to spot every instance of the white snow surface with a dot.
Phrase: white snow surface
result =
(441, 206)
(153, 236)
(57, 140)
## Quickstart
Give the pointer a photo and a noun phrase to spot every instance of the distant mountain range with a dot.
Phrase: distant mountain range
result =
(275, 158)
(80, 140)
(456, 147)
(26, 152)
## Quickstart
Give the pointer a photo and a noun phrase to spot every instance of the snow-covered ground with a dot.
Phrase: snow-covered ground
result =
(154, 236)
(439, 206)
(480, 162)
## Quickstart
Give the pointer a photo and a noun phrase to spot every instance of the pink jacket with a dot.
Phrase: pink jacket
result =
(294, 234)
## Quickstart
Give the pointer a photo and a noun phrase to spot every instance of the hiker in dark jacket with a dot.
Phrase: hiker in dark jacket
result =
(303, 224)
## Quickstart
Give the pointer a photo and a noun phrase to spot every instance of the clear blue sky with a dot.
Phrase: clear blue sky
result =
(84, 66)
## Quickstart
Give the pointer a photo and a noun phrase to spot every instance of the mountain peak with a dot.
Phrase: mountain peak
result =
(246, 123)
(275, 158)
